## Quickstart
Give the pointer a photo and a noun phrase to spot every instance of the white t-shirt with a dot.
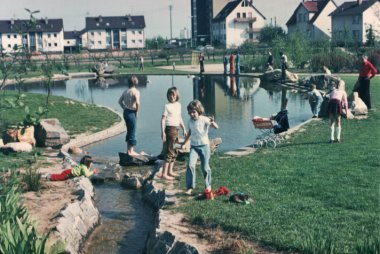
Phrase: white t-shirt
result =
(199, 131)
(172, 112)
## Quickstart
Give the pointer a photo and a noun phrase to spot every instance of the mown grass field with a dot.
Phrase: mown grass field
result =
(309, 196)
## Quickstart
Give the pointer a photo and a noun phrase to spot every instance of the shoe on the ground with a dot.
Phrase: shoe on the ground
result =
(331, 141)
(189, 192)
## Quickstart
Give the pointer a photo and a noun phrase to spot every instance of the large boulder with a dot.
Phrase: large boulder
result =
(275, 75)
(50, 133)
(322, 81)
(356, 104)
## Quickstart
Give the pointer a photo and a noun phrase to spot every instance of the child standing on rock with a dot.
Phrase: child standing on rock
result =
(83, 169)
(170, 122)
(198, 126)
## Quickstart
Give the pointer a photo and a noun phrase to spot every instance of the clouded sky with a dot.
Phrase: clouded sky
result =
(156, 12)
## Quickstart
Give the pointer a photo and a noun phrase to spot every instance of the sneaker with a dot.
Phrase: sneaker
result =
(189, 192)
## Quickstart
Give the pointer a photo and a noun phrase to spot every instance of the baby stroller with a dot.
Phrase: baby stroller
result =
(270, 128)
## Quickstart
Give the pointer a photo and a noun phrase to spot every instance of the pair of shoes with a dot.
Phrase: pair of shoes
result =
(46, 177)
(189, 192)
(331, 141)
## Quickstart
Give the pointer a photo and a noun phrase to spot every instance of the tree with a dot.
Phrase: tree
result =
(270, 33)
(370, 36)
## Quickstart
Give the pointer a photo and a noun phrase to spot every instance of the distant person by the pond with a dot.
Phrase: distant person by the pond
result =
(130, 103)
(337, 101)
(198, 126)
(171, 121)
(201, 62)
(315, 100)
(270, 60)
(366, 73)
(232, 64)
(284, 65)
(225, 63)
(83, 169)
(326, 70)
(141, 67)
(282, 119)
(237, 63)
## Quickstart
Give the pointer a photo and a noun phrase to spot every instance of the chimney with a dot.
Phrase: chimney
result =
(359, 2)
(12, 21)
(129, 17)
(46, 20)
(100, 18)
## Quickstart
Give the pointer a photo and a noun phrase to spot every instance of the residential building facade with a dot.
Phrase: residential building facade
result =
(311, 19)
(236, 23)
(115, 33)
(352, 20)
(44, 35)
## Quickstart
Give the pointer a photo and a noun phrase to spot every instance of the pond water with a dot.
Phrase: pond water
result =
(233, 101)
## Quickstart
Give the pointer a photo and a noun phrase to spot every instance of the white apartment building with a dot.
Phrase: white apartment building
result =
(351, 21)
(237, 22)
(311, 19)
(46, 35)
(116, 33)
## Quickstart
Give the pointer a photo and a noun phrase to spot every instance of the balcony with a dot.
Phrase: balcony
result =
(245, 20)
(252, 30)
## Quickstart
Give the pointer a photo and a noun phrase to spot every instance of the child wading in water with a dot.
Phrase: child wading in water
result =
(198, 126)
(83, 169)
(170, 122)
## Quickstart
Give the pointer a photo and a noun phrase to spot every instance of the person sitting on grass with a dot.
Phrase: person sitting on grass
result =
(83, 169)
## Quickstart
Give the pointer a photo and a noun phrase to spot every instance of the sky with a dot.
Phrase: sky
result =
(156, 12)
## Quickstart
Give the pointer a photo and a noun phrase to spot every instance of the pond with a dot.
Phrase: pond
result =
(233, 101)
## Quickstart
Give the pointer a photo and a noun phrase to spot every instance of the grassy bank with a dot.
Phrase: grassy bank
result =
(309, 196)
(75, 117)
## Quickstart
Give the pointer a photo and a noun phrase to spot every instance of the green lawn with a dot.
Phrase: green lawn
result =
(309, 196)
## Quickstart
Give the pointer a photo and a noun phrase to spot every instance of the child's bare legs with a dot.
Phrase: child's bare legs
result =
(131, 150)
(338, 128)
(170, 170)
(332, 126)
(335, 120)
(165, 171)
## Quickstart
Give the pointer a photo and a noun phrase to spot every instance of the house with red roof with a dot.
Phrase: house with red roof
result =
(352, 20)
(236, 23)
(311, 19)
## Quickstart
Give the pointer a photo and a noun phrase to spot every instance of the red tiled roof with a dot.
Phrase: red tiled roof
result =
(311, 6)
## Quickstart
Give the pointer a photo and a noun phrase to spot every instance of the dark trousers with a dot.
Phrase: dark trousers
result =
(363, 91)
(130, 121)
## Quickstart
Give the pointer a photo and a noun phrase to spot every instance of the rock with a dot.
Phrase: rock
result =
(131, 182)
(136, 160)
(26, 135)
(357, 106)
(276, 75)
(322, 81)
(16, 147)
(75, 150)
(183, 248)
(50, 133)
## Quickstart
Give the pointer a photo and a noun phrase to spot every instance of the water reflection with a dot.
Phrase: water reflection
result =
(232, 100)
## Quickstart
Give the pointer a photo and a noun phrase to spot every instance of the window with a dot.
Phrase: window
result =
(100, 42)
(244, 15)
(15, 36)
(92, 33)
(355, 19)
(9, 46)
(55, 44)
(92, 42)
(107, 24)
(9, 36)
(238, 15)
(49, 35)
(99, 33)
(55, 35)
(68, 42)
(140, 32)
(140, 41)
(133, 41)
(49, 44)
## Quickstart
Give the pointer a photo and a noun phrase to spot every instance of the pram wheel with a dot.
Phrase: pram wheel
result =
(271, 143)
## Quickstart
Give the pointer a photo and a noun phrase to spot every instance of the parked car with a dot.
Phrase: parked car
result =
(200, 48)
(209, 48)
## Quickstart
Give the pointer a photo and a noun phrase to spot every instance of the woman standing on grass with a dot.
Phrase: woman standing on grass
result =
(170, 122)
(337, 100)
(367, 72)
(130, 102)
